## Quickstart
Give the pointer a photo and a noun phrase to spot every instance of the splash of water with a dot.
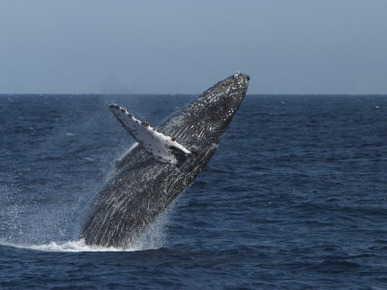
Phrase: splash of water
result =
(69, 246)
(153, 238)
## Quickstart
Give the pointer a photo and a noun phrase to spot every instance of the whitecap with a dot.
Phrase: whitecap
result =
(69, 246)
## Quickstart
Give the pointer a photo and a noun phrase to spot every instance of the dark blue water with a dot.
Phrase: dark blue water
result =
(295, 197)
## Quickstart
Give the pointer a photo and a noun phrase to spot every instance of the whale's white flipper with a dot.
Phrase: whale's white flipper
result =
(163, 148)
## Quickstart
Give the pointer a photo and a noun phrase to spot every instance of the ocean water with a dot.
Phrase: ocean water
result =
(294, 198)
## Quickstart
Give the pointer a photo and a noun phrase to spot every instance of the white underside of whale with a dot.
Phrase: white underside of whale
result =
(162, 147)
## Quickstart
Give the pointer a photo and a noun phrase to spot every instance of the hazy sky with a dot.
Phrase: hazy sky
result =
(288, 46)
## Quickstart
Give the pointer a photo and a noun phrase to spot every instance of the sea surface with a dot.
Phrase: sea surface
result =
(294, 198)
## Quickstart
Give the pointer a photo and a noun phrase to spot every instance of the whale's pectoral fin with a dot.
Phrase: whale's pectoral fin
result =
(162, 147)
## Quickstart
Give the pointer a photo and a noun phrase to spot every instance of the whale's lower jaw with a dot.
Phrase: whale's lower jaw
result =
(142, 187)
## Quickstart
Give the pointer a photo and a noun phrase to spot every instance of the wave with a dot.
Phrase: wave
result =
(70, 246)
(152, 239)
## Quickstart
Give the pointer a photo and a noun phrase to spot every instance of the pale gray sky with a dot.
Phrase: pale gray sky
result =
(95, 46)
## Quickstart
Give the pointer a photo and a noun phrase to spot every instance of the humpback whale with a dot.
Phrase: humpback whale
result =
(163, 164)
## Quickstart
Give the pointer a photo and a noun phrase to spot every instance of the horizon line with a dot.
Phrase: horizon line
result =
(191, 94)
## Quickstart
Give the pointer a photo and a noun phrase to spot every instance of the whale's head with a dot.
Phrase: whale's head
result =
(206, 119)
(201, 124)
